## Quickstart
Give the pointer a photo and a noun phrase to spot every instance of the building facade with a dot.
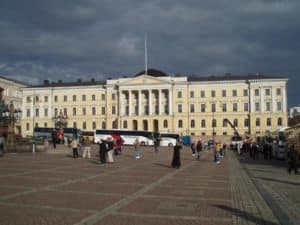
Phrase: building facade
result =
(159, 102)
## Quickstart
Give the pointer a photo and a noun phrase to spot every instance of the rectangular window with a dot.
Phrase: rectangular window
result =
(203, 123)
(74, 111)
(245, 92)
(45, 112)
(65, 98)
(223, 93)
(202, 107)
(83, 98)
(278, 91)
(37, 99)
(45, 98)
(267, 92)
(257, 106)
(246, 107)
(179, 108)
(279, 106)
(55, 98)
(103, 97)
(65, 111)
(234, 107)
(256, 92)
(37, 112)
(84, 111)
(93, 111)
(213, 93)
(103, 110)
(192, 94)
(179, 94)
(27, 126)
(192, 108)
(113, 96)
(202, 94)
(268, 106)
(74, 98)
(234, 93)
(113, 110)
(213, 107)
(28, 112)
(93, 97)
(224, 107)
(28, 99)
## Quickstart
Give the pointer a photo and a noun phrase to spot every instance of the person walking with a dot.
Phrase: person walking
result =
(193, 147)
(137, 150)
(53, 136)
(102, 151)
(254, 150)
(176, 163)
(217, 152)
(75, 145)
(86, 148)
(110, 149)
(292, 157)
(199, 149)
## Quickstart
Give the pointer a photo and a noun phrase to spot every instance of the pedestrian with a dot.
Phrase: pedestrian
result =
(86, 148)
(53, 136)
(217, 152)
(193, 147)
(223, 149)
(156, 144)
(270, 151)
(110, 149)
(46, 144)
(265, 151)
(199, 149)
(137, 150)
(75, 145)
(292, 157)
(102, 151)
(254, 150)
(176, 155)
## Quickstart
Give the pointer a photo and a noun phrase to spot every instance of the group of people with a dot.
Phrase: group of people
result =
(84, 143)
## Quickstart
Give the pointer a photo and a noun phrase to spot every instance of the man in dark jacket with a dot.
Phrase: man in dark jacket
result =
(102, 151)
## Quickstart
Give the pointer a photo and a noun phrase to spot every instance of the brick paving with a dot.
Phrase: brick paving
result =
(53, 188)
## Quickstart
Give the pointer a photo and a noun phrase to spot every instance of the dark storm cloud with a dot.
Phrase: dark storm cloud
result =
(92, 38)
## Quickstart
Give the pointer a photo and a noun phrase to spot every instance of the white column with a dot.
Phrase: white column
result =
(262, 102)
(130, 101)
(170, 102)
(150, 102)
(140, 102)
(159, 102)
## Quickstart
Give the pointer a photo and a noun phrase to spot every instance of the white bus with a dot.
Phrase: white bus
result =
(168, 139)
(128, 136)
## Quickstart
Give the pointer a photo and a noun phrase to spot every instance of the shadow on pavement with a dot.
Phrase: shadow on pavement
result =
(162, 165)
(244, 215)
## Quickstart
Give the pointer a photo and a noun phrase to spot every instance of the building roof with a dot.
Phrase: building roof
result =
(14, 81)
(153, 73)
(228, 77)
(60, 83)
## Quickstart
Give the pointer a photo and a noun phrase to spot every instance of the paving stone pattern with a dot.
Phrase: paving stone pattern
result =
(53, 188)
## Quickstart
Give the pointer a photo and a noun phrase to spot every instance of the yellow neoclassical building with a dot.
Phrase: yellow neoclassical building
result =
(155, 101)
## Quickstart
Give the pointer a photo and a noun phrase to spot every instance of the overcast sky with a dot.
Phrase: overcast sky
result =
(71, 39)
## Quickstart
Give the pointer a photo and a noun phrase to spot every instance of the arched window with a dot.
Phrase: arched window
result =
(224, 123)
(103, 125)
(246, 123)
(257, 122)
(94, 125)
(84, 125)
(214, 123)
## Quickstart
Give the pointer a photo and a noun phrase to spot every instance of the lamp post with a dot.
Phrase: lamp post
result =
(60, 120)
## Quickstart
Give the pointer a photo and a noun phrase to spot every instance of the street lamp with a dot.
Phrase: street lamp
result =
(60, 120)
(9, 117)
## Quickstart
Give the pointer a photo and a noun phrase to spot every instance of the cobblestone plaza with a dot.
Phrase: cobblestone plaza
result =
(53, 188)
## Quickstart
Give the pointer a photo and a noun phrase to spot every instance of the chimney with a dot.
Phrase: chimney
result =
(93, 80)
(59, 81)
(79, 80)
(46, 82)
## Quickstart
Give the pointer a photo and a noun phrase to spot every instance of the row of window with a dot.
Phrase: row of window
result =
(65, 98)
(179, 123)
(233, 94)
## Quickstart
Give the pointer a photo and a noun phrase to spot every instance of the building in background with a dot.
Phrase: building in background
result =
(155, 101)
(12, 93)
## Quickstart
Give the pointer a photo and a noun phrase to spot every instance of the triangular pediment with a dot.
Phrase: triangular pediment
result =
(145, 79)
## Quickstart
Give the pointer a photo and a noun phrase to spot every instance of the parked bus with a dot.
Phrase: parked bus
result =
(128, 136)
(43, 133)
(70, 133)
(168, 139)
